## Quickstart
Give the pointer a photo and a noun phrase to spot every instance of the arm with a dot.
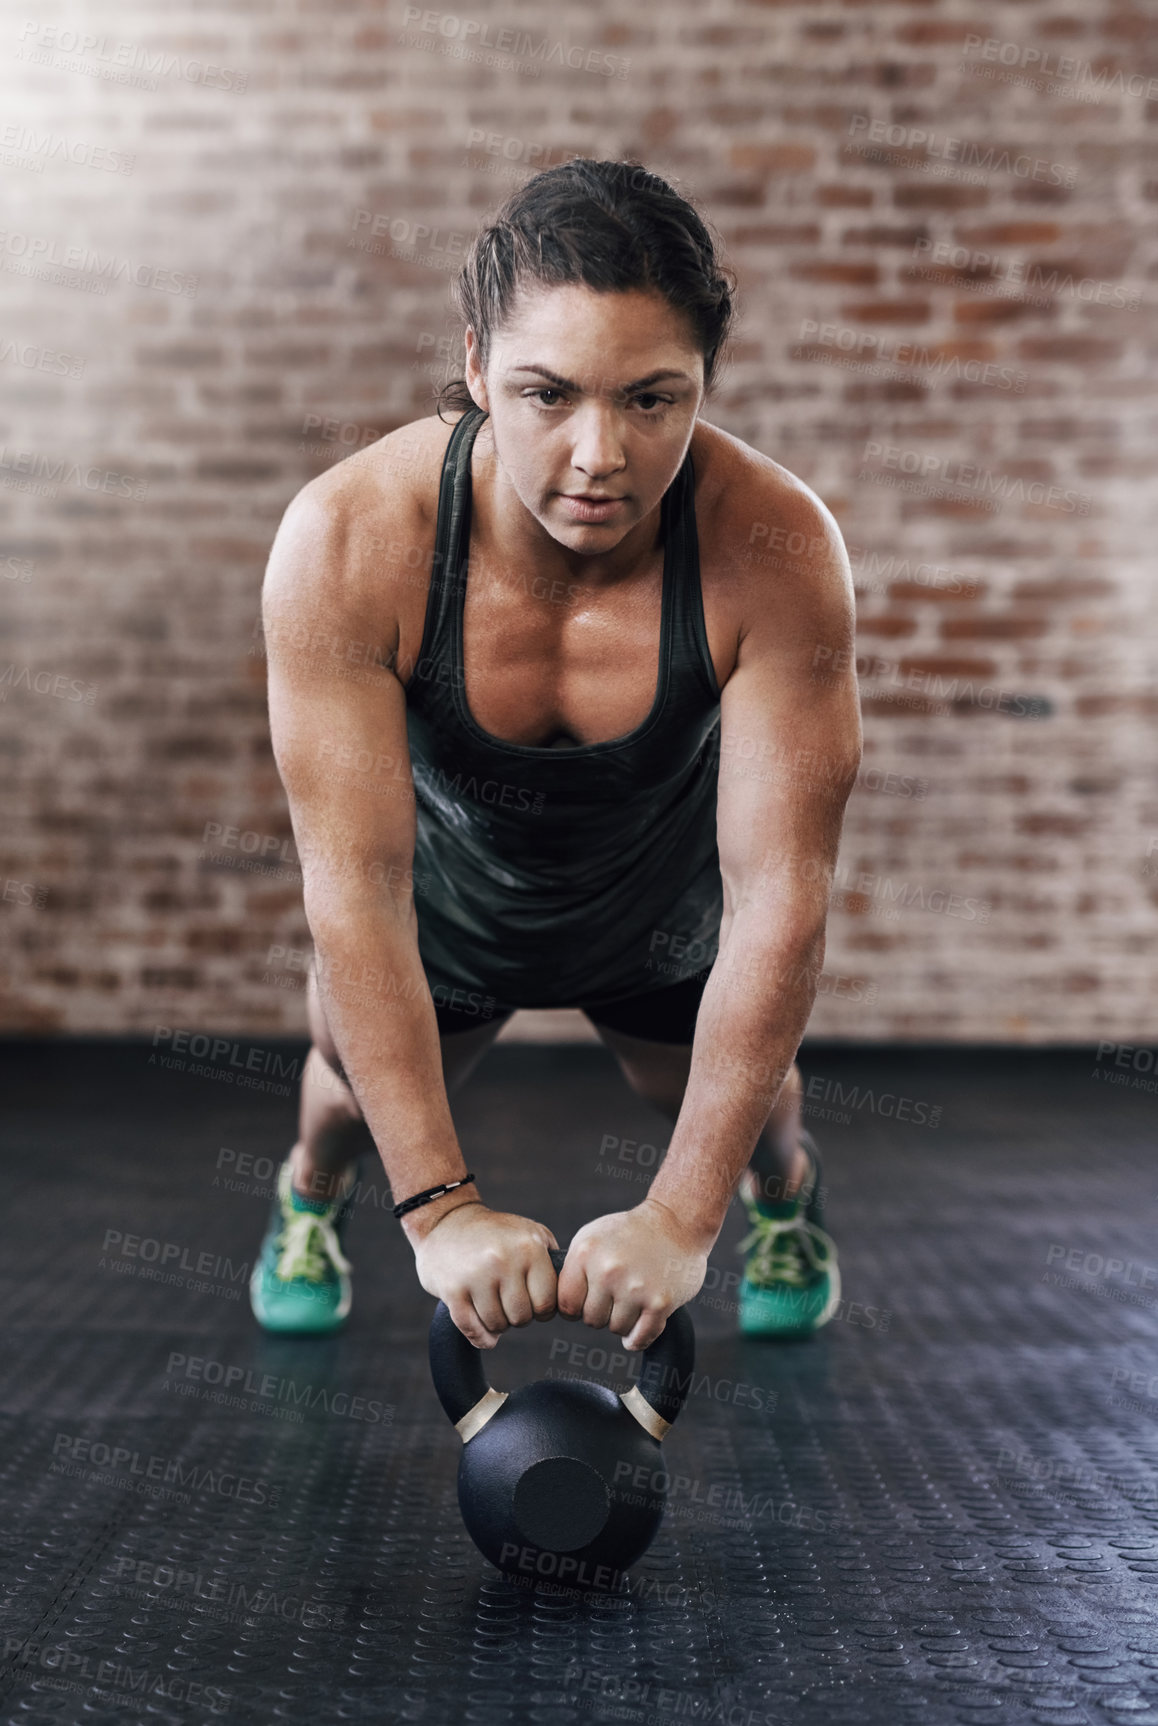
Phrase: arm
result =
(338, 725)
(779, 831)
(790, 743)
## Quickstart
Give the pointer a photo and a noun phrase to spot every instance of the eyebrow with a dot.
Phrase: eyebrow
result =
(567, 384)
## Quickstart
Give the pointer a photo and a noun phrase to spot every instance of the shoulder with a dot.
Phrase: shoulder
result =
(768, 543)
(367, 518)
(395, 478)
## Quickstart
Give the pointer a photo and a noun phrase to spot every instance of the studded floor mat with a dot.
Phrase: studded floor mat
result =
(942, 1508)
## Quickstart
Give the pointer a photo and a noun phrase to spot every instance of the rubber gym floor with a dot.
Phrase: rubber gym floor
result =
(941, 1508)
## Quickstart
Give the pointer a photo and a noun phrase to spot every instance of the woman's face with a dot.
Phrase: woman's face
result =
(590, 393)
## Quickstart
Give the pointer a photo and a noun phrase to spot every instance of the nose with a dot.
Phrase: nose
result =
(598, 448)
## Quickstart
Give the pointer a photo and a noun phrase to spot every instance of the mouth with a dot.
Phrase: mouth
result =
(590, 506)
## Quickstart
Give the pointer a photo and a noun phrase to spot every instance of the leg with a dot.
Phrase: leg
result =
(332, 1130)
(659, 1072)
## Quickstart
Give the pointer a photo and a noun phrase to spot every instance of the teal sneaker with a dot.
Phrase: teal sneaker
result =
(301, 1281)
(791, 1281)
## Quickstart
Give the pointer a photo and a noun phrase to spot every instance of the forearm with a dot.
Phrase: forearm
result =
(753, 1014)
(379, 1008)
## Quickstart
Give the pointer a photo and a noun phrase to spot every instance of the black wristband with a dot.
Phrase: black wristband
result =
(430, 1193)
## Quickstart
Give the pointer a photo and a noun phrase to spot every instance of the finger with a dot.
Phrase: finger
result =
(468, 1322)
(599, 1306)
(515, 1298)
(647, 1327)
(542, 1287)
(489, 1307)
(572, 1290)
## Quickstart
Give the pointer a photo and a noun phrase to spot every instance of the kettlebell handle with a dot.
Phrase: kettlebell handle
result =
(655, 1400)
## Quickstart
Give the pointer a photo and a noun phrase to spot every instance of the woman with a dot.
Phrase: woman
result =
(551, 761)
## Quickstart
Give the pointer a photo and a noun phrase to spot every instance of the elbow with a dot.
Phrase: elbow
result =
(339, 908)
(796, 925)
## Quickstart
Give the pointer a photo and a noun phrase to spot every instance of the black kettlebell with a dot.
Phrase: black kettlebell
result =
(562, 1479)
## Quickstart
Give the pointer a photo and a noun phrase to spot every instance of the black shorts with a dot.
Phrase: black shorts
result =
(663, 1015)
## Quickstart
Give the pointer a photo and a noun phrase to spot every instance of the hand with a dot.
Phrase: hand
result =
(490, 1267)
(629, 1270)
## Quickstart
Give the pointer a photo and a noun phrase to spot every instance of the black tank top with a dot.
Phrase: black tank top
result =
(546, 877)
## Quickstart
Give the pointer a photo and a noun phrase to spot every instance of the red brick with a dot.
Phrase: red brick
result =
(1063, 588)
(979, 627)
(891, 628)
(929, 195)
(773, 158)
(940, 665)
(881, 236)
(820, 270)
(1054, 822)
(1020, 233)
(928, 31)
(1069, 350)
(887, 311)
(835, 197)
(776, 234)
(972, 589)
(996, 311)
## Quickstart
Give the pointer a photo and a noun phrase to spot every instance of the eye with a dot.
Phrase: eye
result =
(547, 390)
(650, 396)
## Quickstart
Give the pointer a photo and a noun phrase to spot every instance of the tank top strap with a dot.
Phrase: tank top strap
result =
(449, 552)
(690, 654)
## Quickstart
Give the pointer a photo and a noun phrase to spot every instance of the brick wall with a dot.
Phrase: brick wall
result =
(227, 244)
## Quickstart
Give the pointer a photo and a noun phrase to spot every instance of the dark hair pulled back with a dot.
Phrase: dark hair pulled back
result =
(610, 226)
